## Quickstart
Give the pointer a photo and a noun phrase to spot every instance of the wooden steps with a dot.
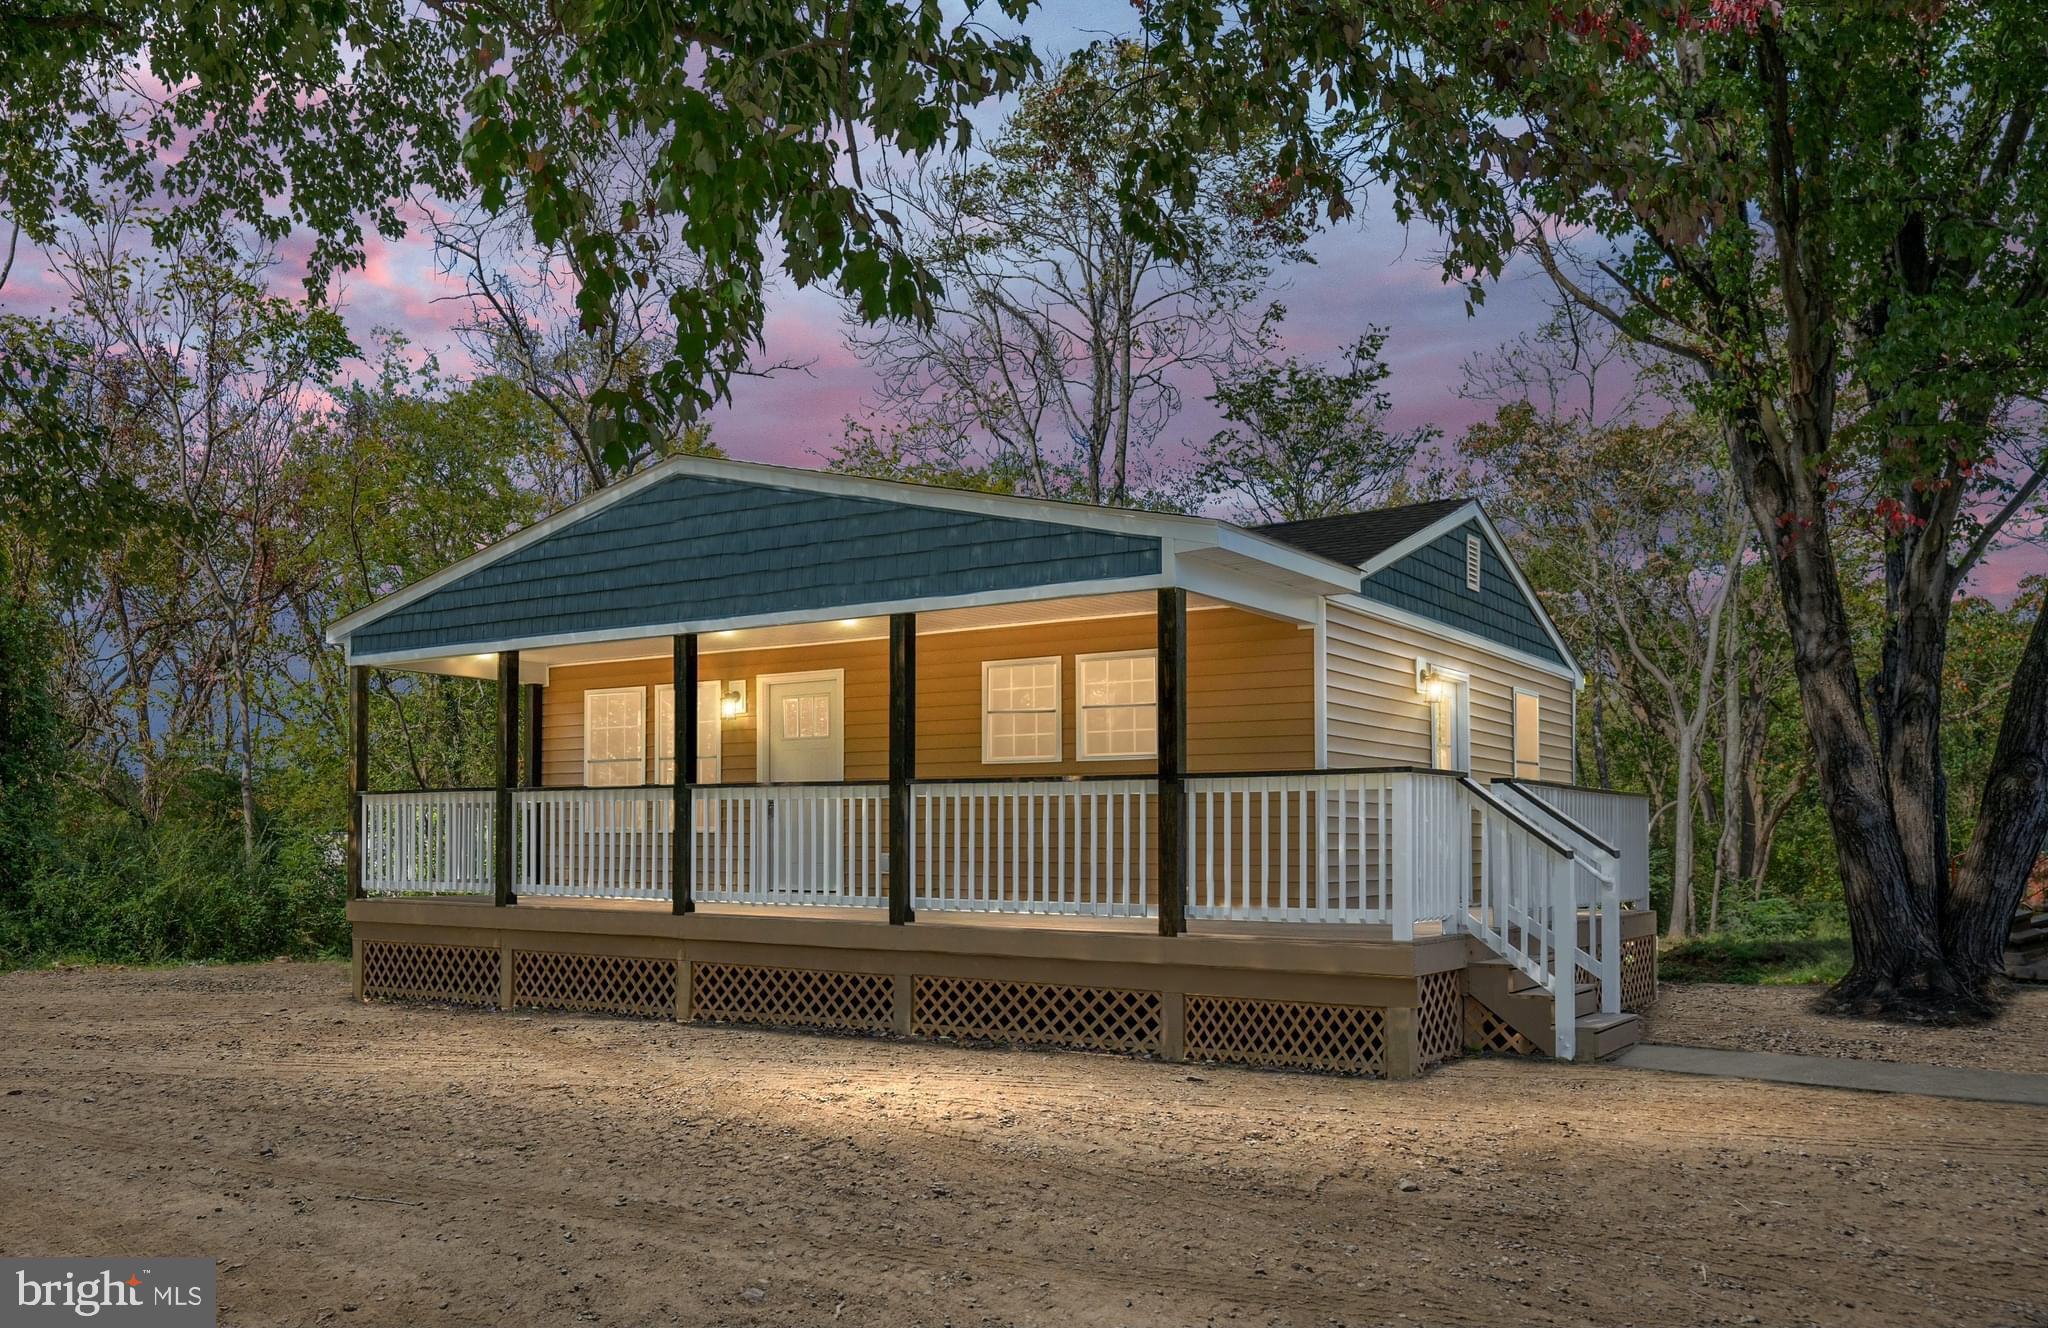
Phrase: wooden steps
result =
(1514, 996)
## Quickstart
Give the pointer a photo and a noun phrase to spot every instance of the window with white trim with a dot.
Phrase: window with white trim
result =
(614, 737)
(1117, 700)
(1528, 735)
(1020, 710)
(1472, 563)
(709, 733)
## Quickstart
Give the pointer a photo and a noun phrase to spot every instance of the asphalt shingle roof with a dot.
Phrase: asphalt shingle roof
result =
(1357, 537)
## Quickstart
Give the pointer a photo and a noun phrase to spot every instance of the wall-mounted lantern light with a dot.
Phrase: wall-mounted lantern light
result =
(734, 703)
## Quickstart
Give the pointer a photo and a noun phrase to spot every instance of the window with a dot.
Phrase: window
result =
(1472, 563)
(709, 733)
(1020, 710)
(1528, 735)
(614, 737)
(1118, 696)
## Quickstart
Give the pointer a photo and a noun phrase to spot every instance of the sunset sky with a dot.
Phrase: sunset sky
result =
(1370, 271)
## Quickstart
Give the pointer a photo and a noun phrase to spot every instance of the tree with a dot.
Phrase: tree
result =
(31, 747)
(1311, 441)
(1060, 341)
(1830, 215)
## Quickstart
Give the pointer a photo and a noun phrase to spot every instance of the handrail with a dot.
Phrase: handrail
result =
(1583, 788)
(1570, 822)
(1543, 836)
(952, 779)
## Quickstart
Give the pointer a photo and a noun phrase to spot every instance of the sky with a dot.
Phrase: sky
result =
(1368, 271)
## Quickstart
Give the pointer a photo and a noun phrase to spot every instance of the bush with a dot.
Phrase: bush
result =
(122, 892)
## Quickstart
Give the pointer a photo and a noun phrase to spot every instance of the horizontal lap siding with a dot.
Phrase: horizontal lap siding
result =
(1251, 696)
(1377, 717)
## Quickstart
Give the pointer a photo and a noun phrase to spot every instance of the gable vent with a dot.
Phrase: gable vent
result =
(1472, 563)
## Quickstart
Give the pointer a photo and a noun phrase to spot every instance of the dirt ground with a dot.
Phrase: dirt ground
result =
(1708, 1014)
(358, 1165)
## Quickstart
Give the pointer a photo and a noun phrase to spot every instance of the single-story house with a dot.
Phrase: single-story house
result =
(790, 747)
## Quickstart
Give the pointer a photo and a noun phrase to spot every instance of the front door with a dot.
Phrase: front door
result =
(803, 741)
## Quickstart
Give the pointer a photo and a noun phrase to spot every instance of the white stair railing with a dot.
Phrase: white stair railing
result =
(1070, 846)
(1525, 908)
(1597, 872)
(428, 842)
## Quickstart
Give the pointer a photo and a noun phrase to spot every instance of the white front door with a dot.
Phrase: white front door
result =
(802, 741)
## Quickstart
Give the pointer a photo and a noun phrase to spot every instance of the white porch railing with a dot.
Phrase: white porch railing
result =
(792, 844)
(1598, 872)
(1077, 846)
(592, 843)
(1621, 821)
(428, 842)
(1291, 848)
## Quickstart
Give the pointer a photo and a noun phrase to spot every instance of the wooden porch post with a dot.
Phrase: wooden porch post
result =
(358, 771)
(683, 742)
(902, 758)
(532, 770)
(1173, 759)
(508, 775)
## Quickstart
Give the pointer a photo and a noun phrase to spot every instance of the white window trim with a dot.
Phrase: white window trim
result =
(1081, 708)
(592, 693)
(1461, 713)
(1059, 745)
(1515, 733)
(717, 753)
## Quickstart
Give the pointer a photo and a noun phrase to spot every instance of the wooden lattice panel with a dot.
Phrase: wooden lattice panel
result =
(417, 971)
(1036, 1013)
(1486, 1031)
(798, 997)
(609, 984)
(1440, 1016)
(1347, 1039)
(1638, 973)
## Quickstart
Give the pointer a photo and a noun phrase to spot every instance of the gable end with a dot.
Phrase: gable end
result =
(1432, 582)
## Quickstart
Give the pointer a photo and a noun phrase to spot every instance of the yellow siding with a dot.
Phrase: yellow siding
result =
(1251, 696)
(1376, 717)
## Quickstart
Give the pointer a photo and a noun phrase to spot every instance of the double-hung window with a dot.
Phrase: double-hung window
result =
(1020, 710)
(709, 733)
(1118, 705)
(614, 737)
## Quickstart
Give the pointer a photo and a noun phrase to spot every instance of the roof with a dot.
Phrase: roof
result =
(1357, 538)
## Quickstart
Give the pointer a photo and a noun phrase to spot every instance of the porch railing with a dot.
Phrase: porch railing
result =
(1075, 846)
(592, 843)
(429, 842)
(792, 844)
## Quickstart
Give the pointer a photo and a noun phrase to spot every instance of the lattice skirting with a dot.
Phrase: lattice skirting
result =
(417, 971)
(795, 997)
(1486, 1031)
(1638, 973)
(1036, 1013)
(608, 984)
(1439, 1016)
(1296, 1035)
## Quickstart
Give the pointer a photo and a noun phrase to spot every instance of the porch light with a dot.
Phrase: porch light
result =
(1432, 683)
(734, 703)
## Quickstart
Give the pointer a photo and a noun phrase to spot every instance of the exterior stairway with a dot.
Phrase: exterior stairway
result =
(2026, 951)
(1515, 997)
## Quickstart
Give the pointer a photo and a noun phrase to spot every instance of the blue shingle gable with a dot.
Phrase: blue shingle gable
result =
(1430, 582)
(695, 548)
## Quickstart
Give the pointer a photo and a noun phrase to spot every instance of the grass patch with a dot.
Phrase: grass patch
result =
(1783, 961)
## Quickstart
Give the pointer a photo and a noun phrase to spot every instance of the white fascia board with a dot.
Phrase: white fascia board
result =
(1472, 511)
(1386, 612)
(1236, 585)
(1167, 527)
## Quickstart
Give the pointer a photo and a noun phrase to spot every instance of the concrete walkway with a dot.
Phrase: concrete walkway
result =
(1828, 1072)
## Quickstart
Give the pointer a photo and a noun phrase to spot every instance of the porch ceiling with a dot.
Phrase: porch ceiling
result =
(534, 663)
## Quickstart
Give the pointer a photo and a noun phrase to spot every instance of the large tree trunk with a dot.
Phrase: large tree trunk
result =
(1918, 592)
(1681, 842)
(1897, 966)
(2012, 820)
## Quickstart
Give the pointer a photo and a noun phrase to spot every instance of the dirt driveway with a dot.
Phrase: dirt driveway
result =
(364, 1165)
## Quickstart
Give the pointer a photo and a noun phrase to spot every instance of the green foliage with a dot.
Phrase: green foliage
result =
(32, 752)
(1796, 961)
(1309, 441)
(179, 889)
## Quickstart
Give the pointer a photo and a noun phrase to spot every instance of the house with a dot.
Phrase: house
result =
(788, 747)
